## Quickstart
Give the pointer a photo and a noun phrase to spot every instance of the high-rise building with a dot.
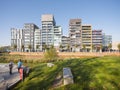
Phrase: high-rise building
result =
(37, 38)
(75, 34)
(97, 39)
(57, 36)
(107, 39)
(50, 33)
(16, 39)
(28, 36)
(47, 30)
(87, 37)
(31, 38)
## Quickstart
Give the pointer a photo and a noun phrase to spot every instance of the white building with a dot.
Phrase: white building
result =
(50, 33)
(16, 39)
(28, 36)
(115, 45)
(57, 37)
(37, 38)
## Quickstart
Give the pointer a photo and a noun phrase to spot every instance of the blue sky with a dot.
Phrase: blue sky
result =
(101, 14)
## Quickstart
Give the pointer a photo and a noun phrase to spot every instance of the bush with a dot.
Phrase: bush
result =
(51, 54)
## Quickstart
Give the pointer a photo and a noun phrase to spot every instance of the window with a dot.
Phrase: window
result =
(77, 22)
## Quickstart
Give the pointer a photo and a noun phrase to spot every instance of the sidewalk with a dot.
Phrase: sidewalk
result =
(7, 80)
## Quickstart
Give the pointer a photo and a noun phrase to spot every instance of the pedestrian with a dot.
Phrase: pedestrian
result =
(10, 67)
(21, 73)
(19, 64)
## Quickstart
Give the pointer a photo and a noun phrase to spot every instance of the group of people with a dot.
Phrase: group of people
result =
(11, 66)
(22, 70)
(19, 66)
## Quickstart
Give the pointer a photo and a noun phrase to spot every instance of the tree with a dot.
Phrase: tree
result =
(61, 47)
(15, 47)
(30, 47)
(37, 47)
(51, 54)
(101, 46)
(93, 47)
(118, 47)
(109, 46)
(22, 48)
(68, 47)
(84, 47)
(44, 47)
(52, 46)
(2, 49)
(76, 47)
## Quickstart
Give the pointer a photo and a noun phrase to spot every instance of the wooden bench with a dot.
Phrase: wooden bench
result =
(67, 76)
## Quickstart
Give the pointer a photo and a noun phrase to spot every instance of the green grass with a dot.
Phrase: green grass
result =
(101, 73)
(98, 73)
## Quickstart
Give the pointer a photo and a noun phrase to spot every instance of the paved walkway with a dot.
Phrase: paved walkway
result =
(6, 79)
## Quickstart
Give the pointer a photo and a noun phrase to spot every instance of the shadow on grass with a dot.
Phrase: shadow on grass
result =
(84, 71)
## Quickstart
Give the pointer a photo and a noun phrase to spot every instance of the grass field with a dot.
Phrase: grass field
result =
(98, 73)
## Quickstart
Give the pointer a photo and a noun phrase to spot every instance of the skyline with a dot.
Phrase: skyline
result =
(100, 14)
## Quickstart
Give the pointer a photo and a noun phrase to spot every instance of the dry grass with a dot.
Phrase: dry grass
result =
(39, 55)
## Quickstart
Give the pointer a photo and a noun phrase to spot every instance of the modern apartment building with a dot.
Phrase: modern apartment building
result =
(97, 39)
(28, 36)
(57, 37)
(75, 34)
(65, 43)
(50, 33)
(87, 37)
(31, 38)
(107, 39)
(16, 39)
(37, 39)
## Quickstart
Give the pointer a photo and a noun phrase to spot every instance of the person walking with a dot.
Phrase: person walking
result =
(10, 67)
(19, 64)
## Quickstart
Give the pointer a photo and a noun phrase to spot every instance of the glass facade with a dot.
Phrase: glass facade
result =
(28, 36)
(50, 33)
(107, 39)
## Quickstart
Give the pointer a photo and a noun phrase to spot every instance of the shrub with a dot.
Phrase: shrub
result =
(51, 54)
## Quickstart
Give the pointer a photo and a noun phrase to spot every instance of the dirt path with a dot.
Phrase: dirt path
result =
(58, 81)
